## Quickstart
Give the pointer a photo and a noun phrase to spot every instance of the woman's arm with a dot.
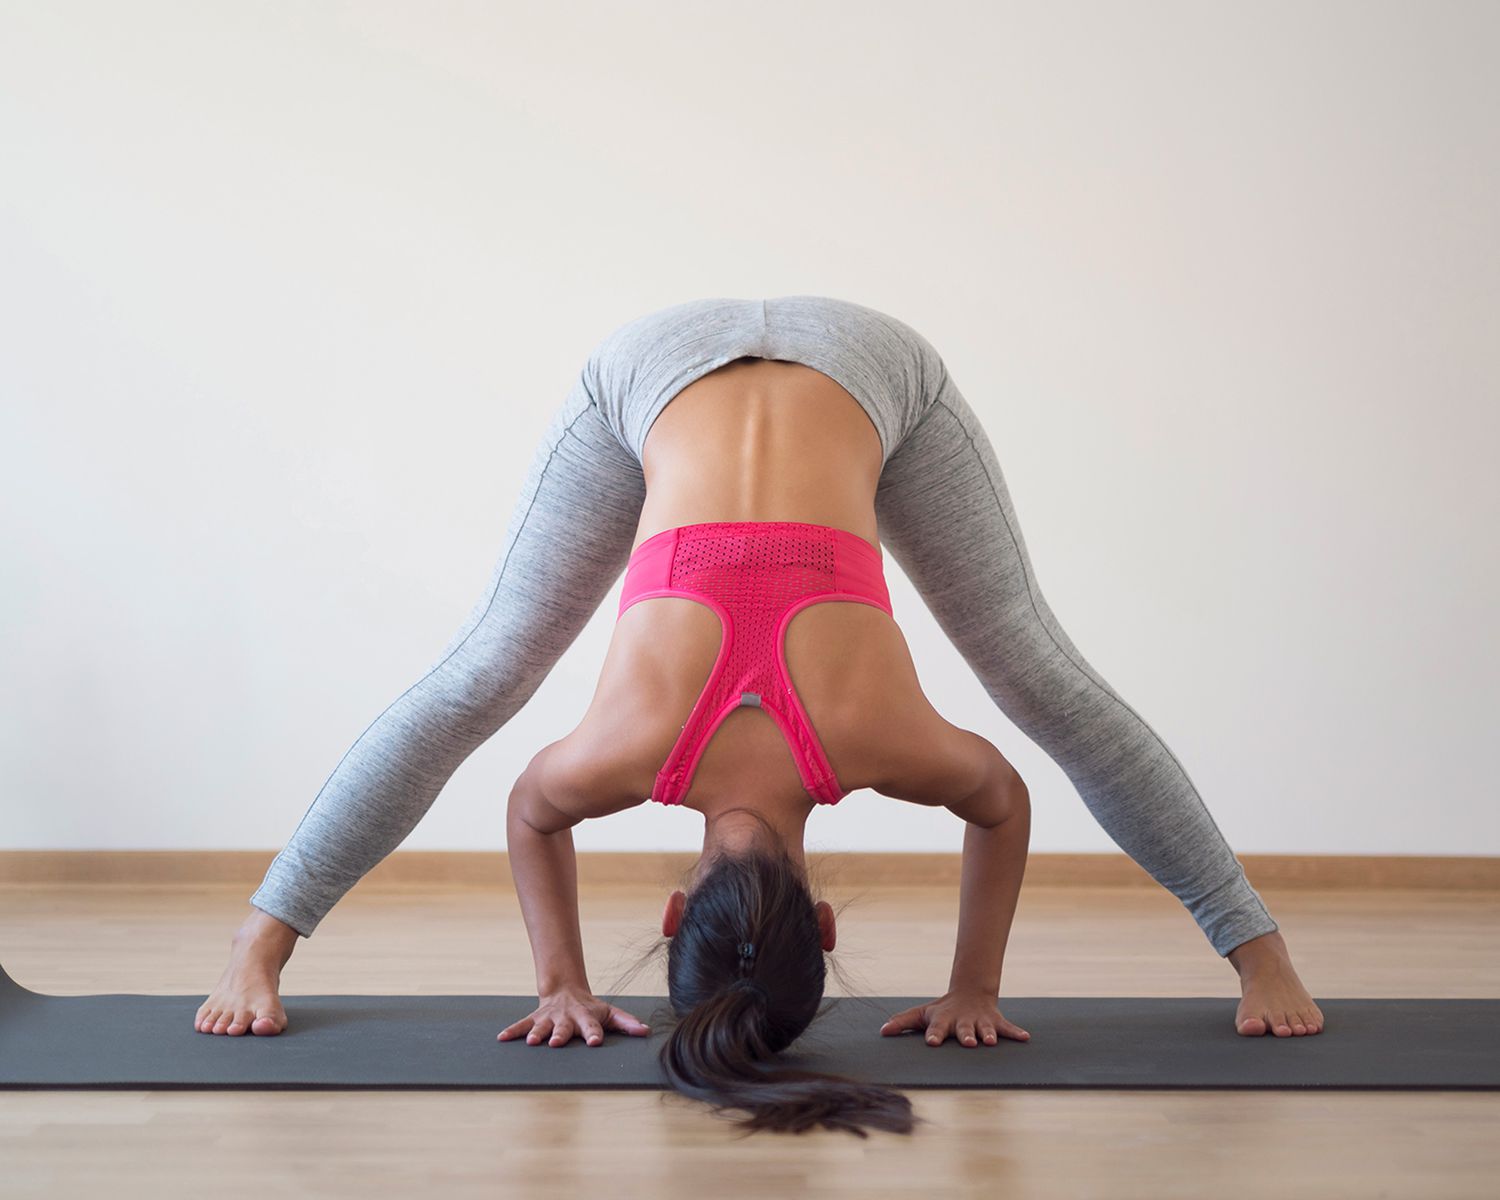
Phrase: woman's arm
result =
(539, 822)
(565, 783)
(995, 845)
(998, 833)
(539, 845)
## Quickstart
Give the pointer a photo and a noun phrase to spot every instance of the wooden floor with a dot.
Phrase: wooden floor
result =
(1054, 1144)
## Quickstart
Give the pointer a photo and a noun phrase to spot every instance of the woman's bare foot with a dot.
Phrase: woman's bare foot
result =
(1273, 999)
(247, 997)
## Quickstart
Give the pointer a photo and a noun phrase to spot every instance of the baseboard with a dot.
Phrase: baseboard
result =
(474, 868)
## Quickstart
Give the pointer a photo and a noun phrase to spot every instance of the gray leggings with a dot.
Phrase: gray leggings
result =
(943, 513)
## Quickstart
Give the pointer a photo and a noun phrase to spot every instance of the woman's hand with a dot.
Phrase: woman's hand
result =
(570, 1011)
(969, 1016)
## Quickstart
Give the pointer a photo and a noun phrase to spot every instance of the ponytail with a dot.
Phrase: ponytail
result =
(745, 972)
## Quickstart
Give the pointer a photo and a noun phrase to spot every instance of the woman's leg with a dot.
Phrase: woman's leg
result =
(568, 540)
(945, 515)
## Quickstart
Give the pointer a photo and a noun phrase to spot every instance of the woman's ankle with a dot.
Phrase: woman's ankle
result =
(1267, 949)
(261, 928)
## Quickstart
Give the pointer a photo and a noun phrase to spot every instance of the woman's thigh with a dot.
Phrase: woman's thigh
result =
(566, 542)
(947, 517)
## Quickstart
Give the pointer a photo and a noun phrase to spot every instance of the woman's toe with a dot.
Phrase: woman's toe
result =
(267, 1021)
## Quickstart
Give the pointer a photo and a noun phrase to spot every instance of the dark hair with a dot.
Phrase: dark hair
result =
(745, 976)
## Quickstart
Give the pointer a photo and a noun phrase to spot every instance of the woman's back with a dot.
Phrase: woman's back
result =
(759, 440)
(756, 440)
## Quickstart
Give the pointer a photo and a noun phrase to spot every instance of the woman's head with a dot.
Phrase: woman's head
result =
(745, 975)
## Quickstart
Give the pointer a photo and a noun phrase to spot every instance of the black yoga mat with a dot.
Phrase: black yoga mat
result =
(145, 1041)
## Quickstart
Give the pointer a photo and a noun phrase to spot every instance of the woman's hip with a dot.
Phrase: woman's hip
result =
(890, 369)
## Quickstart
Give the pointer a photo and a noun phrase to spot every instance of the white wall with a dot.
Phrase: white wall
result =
(290, 289)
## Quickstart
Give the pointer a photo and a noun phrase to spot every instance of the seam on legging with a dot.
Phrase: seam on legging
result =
(499, 577)
(1088, 674)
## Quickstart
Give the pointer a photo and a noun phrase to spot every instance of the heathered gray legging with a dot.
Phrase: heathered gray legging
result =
(943, 514)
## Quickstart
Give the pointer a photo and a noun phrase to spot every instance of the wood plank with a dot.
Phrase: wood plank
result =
(472, 868)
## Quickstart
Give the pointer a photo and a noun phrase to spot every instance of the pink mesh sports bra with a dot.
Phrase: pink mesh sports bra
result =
(756, 575)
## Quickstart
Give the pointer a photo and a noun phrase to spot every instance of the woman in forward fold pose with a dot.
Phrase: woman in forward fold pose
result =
(742, 461)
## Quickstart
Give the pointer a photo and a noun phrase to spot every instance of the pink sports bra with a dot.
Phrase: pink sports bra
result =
(756, 575)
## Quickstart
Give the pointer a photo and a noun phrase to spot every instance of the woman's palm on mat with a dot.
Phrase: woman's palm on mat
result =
(969, 1016)
(561, 1015)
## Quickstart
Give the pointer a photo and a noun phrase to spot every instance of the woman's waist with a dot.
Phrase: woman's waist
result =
(731, 556)
(759, 530)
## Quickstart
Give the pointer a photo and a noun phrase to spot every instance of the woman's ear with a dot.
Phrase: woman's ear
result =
(671, 916)
(825, 923)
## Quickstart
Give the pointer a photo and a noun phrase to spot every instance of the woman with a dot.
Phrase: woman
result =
(790, 437)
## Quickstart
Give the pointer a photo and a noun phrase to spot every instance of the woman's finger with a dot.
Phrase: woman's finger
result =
(1011, 1030)
(540, 1028)
(562, 1033)
(626, 1023)
(593, 1033)
(911, 1018)
(987, 1033)
(937, 1031)
(965, 1034)
(515, 1029)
